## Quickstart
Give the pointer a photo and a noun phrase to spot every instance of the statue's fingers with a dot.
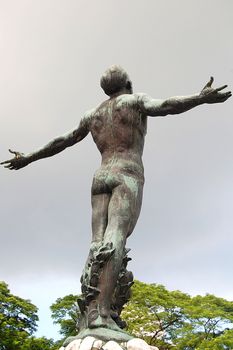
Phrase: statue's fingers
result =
(8, 166)
(13, 152)
(5, 162)
(16, 153)
(228, 94)
(210, 81)
(13, 167)
(221, 88)
(224, 96)
(209, 84)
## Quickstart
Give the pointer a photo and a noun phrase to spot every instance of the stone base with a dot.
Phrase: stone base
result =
(95, 343)
(101, 333)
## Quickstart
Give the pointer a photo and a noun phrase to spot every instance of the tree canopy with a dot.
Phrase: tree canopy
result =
(18, 318)
(18, 321)
(172, 319)
(65, 313)
(33, 343)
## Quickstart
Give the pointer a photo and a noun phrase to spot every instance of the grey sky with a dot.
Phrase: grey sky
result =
(52, 56)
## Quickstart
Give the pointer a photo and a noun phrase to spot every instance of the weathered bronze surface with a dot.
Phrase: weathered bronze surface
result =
(118, 127)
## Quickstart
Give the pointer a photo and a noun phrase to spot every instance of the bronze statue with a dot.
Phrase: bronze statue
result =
(118, 127)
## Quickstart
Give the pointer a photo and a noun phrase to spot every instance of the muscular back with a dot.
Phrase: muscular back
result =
(118, 127)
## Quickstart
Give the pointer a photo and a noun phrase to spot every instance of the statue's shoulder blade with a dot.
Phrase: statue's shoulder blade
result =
(126, 100)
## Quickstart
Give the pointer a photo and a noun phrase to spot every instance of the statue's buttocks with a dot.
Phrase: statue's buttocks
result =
(116, 172)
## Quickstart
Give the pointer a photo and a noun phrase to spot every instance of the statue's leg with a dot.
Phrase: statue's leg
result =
(123, 211)
(100, 204)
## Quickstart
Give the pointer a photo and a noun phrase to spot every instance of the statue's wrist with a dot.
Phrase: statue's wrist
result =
(202, 98)
(30, 158)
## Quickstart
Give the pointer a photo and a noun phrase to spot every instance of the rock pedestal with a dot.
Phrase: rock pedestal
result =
(92, 343)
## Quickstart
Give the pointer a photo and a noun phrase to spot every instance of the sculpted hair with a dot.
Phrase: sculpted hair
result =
(115, 79)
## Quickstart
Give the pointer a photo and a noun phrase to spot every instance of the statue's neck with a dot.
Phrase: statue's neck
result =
(121, 92)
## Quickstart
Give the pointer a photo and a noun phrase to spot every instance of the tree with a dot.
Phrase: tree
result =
(43, 343)
(175, 319)
(65, 312)
(209, 320)
(155, 314)
(18, 319)
(166, 319)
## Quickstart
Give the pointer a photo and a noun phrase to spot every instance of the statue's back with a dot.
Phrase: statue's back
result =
(117, 126)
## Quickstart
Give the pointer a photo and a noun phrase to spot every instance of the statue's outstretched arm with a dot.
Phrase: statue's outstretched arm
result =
(55, 146)
(180, 104)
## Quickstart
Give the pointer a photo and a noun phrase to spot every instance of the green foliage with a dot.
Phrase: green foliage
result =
(43, 343)
(155, 314)
(18, 319)
(172, 319)
(65, 312)
(166, 319)
(209, 319)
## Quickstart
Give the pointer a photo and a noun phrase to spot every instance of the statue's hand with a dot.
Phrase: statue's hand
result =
(211, 95)
(18, 162)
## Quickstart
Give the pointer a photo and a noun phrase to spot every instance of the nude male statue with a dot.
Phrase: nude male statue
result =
(118, 127)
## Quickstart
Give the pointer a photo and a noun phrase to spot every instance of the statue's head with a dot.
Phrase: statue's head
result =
(114, 80)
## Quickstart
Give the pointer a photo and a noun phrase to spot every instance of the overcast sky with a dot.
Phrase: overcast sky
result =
(53, 53)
